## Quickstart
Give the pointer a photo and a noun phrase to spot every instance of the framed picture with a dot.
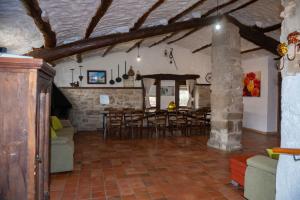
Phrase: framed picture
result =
(96, 77)
(167, 91)
(252, 84)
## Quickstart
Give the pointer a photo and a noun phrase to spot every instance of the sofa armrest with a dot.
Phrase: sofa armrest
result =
(60, 140)
(264, 163)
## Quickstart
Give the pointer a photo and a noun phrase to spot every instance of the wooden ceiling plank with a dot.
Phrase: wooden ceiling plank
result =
(251, 50)
(202, 48)
(143, 18)
(164, 39)
(135, 45)
(34, 10)
(102, 9)
(108, 50)
(186, 11)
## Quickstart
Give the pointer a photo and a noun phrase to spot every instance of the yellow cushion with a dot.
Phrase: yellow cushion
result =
(272, 154)
(53, 134)
(56, 124)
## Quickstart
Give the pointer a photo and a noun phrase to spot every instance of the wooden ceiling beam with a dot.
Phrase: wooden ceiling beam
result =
(185, 35)
(34, 10)
(108, 50)
(251, 50)
(255, 36)
(135, 45)
(186, 11)
(164, 39)
(269, 29)
(143, 18)
(202, 48)
(98, 15)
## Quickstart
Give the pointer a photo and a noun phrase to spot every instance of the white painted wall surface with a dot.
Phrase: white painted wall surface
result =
(260, 113)
(153, 62)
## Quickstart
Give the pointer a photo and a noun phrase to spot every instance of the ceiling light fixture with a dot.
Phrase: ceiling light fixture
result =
(138, 58)
(218, 24)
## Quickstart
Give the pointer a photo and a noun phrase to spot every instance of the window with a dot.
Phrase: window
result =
(152, 96)
(183, 95)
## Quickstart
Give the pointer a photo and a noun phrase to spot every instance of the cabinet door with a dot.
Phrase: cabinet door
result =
(43, 137)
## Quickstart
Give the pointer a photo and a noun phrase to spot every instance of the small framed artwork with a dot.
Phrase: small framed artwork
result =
(252, 84)
(167, 91)
(96, 77)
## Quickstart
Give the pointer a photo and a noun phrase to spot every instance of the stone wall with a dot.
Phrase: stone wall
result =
(86, 111)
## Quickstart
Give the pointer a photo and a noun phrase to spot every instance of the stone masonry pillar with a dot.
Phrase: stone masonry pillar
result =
(226, 95)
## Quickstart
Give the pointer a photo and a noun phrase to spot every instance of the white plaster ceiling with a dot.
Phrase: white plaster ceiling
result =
(70, 18)
(121, 16)
(18, 32)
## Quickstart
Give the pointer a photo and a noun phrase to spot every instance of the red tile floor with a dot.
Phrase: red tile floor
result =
(172, 168)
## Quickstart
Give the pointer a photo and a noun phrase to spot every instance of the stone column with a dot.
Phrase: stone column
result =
(226, 95)
(288, 176)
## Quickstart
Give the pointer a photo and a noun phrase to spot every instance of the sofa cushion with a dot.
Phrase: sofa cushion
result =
(60, 140)
(56, 124)
(66, 132)
(264, 163)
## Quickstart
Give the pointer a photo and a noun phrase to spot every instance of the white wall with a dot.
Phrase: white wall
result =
(153, 62)
(260, 113)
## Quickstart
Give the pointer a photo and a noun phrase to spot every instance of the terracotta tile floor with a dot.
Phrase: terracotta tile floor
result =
(172, 168)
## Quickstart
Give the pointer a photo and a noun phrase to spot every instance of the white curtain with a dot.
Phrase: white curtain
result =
(148, 82)
(190, 84)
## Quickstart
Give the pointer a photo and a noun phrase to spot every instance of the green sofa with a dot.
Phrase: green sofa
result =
(260, 178)
(62, 149)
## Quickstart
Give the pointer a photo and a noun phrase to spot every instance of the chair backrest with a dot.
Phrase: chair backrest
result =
(161, 117)
(115, 117)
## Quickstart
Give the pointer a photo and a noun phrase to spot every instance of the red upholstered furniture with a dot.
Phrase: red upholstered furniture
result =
(238, 166)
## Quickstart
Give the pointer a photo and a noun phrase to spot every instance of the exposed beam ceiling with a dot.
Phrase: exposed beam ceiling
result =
(108, 50)
(186, 11)
(103, 41)
(246, 32)
(99, 14)
(212, 11)
(34, 10)
(164, 39)
(143, 18)
(135, 45)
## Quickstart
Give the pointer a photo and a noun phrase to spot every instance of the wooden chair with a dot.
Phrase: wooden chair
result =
(114, 122)
(197, 121)
(159, 123)
(134, 121)
(180, 123)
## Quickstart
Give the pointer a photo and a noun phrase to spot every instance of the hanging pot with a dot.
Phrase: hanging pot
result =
(111, 78)
(125, 76)
(118, 79)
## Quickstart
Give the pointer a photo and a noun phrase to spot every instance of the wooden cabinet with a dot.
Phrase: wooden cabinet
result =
(25, 94)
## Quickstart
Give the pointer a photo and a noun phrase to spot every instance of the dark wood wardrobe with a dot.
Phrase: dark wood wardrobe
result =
(25, 95)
